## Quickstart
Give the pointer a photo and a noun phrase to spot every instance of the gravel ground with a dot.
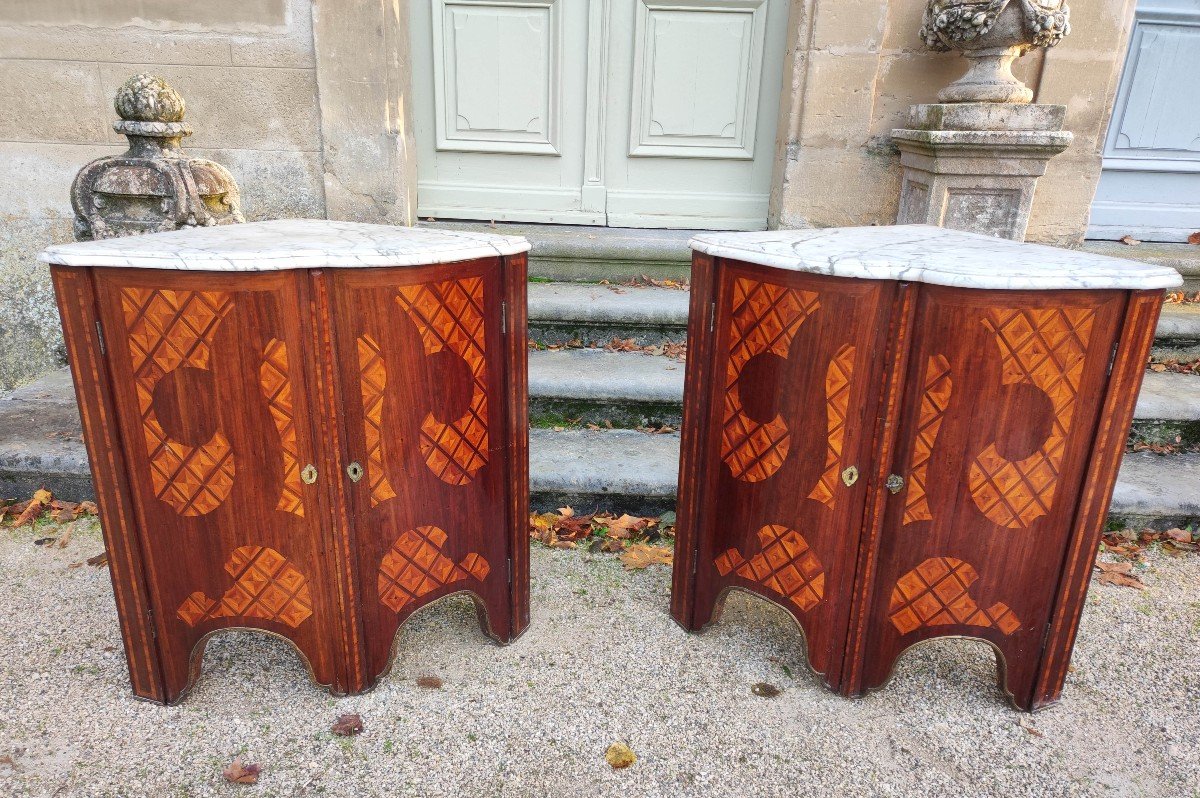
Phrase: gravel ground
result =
(602, 662)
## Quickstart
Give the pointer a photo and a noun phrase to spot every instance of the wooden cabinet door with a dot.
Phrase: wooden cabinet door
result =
(790, 420)
(419, 359)
(209, 380)
(1001, 402)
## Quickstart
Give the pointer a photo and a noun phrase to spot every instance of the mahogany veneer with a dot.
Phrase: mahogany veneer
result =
(316, 453)
(893, 461)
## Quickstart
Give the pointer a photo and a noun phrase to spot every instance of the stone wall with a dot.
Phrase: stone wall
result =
(857, 65)
(247, 71)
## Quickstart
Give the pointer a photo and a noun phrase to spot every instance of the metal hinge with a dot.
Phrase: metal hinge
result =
(100, 338)
(503, 318)
(712, 317)
(1112, 358)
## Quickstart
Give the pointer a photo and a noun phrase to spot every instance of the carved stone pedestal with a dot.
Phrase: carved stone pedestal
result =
(974, 166)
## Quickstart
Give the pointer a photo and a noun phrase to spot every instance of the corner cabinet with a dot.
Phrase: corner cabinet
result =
(903, 433)
(308, 428)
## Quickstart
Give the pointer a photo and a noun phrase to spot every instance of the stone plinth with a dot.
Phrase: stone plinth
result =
(974, 166)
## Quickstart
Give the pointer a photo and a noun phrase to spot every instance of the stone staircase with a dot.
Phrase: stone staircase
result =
(618, 466)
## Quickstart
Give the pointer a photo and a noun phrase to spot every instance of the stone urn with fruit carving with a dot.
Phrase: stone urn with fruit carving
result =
(992, 34)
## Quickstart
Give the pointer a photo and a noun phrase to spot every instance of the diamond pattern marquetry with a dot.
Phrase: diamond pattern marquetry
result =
(786, 565)
(166, 330)
(935, 593)
(415, 565)
(1045, 347)
(372, 378)
(276, 383)
(934, 401)
(837, 402)
(265, 585)
(449, 315)
(764, 319)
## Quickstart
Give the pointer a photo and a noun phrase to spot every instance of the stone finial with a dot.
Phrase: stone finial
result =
(154, 186)
(992, 34)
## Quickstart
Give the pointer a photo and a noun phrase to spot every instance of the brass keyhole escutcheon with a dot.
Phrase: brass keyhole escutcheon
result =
(354, 471)
(895, 483)
(850, 476)
(309, 474)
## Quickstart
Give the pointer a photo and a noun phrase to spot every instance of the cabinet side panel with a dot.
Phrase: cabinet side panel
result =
(1125, 381)
(691, 461)
(516, 290)
(77, 307)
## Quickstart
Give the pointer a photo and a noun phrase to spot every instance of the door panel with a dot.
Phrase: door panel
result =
(1004, 389)
(500, 109)
(420, 373)
(794, 429)
(212, 395)
(1150, 186)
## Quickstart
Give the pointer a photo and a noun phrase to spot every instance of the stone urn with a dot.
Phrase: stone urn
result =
(154, 186)
(992, 34)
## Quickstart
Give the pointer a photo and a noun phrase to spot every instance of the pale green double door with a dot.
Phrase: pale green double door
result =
(628, 113)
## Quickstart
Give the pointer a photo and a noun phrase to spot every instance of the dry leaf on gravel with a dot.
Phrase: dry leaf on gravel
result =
(1119, 573)
(619, 755)
(241, 773)
(765, 690)
(1129, 241)
(429, 682)
(34, 508)
(347, 725)
(1028, 726)
(1194, 238)
(100, 560)
(626, 526)
(640, 556)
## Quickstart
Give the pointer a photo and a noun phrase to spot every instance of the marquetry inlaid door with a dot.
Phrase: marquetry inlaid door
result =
(791, 402)
(419, 353)
(209, 377)
(1001, 401)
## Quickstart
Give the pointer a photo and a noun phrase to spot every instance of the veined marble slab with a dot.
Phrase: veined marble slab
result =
(926, 254)
(285, 244)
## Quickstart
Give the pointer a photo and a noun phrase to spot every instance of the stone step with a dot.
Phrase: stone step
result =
(630, 389)
(595, 314)
(1178, 333)
(573, 253)
(626, 389)
(1183, 258)
(621, 470)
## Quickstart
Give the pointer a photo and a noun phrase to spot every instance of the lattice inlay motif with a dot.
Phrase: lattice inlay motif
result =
(764, 318)
(785, 564)
(265, 585)
(372, 378)
(449, 315)
(276, 383)
(837, 403)
(935, 594)
(934, 401)
(415, 565)
(166, 330)
(1045, 347)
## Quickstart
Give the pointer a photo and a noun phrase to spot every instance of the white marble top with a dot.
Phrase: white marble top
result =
(925, 254)
(285, 244)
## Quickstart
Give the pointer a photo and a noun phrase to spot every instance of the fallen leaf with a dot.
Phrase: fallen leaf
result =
(429, 682)
(1129, 241)
(626, 526)
(640, 556)
(1194, 238)
(765, 690)
(87, 508)
(619, 755)
(1120, 574)
(1028, 726)
(44, 541)
(36, 506)
(347, 725)
(100, 560)
(240, 773)
(566, 512)
(65, 536)
(1178, 535)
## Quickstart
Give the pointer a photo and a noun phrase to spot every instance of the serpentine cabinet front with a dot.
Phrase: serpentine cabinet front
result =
(311, 453)
(894, 462)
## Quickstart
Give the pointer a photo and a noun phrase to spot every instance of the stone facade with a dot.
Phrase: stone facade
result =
(307, 103)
